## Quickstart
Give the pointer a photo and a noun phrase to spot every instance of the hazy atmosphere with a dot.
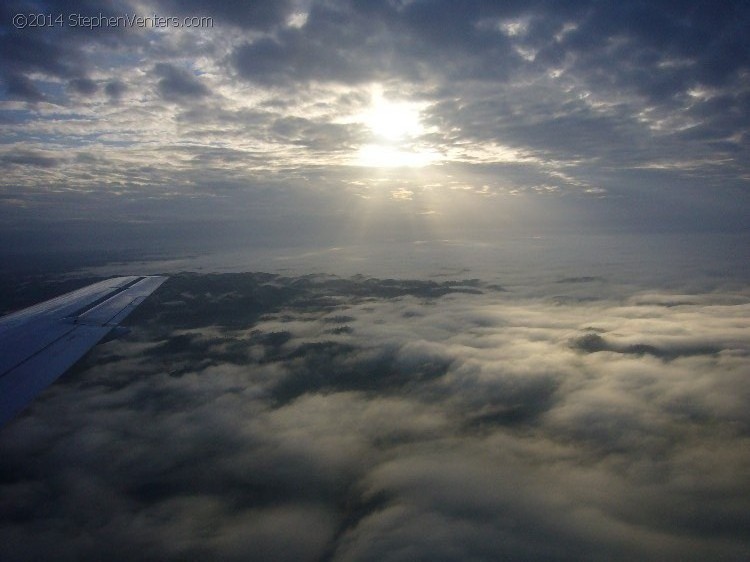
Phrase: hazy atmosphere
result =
(449, 280)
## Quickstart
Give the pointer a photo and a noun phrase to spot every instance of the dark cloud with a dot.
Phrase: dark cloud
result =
(20, 87)
(358, 42)
(58, 50)
(592, 343)
(582, 279)
(654, 47)
(115, 89)
(257, 15)
(84, 86)
(177, 84)
(30, 158)
(29, 52)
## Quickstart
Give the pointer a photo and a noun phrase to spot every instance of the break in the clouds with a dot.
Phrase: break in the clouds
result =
(577, 116)
(254, 416)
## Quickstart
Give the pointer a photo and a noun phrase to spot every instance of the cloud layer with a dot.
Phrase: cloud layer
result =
(613, 115)
(257, 416)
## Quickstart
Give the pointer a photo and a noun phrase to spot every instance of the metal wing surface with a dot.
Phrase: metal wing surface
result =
(40, 343)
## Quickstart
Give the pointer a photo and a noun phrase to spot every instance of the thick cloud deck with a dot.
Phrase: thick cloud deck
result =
(257, 417)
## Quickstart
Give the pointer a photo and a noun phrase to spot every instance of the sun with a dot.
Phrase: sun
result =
(395, 128)
(393, 121)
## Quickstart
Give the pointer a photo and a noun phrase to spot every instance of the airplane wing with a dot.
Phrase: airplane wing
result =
(40, 343)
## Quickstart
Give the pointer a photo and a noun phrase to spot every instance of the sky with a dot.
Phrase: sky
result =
(279, 124)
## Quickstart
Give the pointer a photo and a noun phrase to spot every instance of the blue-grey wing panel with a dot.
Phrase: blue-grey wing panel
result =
(22, 384)
(113, 310)
(40, 343)
(68, 304)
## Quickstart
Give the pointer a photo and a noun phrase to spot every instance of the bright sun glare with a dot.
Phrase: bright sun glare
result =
(395, 127)
(393, 121)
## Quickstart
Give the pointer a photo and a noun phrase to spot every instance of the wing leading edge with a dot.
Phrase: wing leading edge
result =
(40, 343)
